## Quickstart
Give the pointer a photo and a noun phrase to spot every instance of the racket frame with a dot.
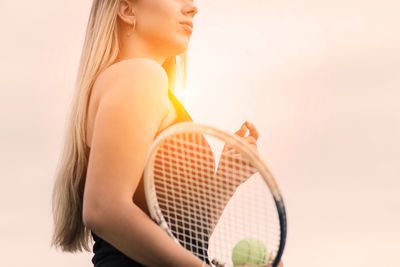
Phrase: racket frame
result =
(231, 140)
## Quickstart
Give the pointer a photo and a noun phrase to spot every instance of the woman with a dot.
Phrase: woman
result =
(123, 100)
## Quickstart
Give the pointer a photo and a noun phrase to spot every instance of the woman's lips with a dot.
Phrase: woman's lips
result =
(187, 25)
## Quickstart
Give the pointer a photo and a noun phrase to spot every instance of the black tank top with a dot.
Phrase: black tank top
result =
(106, 255)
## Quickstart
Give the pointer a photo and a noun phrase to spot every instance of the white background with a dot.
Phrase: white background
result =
(320, 79)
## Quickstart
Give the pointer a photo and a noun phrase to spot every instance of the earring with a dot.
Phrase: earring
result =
(134, 25)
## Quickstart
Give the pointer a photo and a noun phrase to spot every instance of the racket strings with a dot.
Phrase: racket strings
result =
(192, 193)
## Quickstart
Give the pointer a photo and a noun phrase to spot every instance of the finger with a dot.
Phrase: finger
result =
(227, 147)
(242, 131)
(251, 140)
(231, 151)
(253, 130)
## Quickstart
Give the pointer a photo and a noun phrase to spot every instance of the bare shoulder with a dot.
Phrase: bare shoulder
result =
(138, 87)
(134, 75)
(134, 94)
(138, 84)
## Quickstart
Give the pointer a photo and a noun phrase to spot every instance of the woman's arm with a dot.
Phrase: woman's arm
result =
(132, 106)
(130, 230)
(245, 169)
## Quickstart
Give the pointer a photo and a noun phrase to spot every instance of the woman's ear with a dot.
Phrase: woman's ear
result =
(126, 12)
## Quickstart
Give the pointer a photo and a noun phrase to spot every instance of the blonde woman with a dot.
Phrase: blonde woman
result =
(132, 53)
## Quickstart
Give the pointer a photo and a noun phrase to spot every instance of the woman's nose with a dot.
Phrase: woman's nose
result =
(191, 9)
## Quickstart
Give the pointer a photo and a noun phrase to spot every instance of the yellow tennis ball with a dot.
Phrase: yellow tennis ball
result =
(249, 251)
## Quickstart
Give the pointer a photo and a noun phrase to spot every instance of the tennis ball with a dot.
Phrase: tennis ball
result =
(249, 251)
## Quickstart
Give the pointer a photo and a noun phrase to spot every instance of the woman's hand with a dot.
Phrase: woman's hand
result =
(230, 155)
(279, 265)
(252, 137)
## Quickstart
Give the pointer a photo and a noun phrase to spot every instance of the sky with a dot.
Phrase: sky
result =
(319, 79)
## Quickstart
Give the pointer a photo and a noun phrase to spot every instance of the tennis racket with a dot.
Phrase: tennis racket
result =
(209, 190)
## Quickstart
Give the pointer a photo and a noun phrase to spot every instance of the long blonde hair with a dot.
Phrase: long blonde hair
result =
(100, 49)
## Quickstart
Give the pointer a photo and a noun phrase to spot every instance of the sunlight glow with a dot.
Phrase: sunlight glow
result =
(182, 94)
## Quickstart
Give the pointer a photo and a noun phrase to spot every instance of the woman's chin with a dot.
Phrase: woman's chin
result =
(180, 49)
(182, 42)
